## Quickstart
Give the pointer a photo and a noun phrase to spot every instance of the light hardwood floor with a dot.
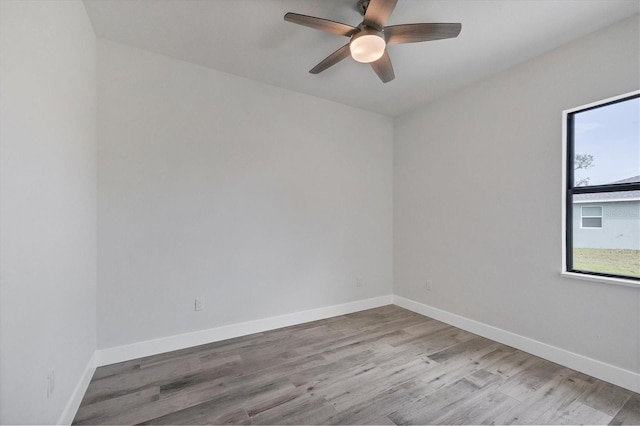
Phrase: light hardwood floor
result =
(381, 366)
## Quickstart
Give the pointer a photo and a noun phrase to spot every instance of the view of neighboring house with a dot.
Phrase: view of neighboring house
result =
(609, 220)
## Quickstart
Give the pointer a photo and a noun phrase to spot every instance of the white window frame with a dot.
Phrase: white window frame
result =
(563, 269)
(582, 216)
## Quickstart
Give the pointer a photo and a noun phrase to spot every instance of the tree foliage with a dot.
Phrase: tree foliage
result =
(582, 162)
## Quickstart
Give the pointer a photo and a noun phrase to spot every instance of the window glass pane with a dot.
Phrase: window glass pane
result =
(607, 144)
(592, 211)
(592, 222)
(611, 249)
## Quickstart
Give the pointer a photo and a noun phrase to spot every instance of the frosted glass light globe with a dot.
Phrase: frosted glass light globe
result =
(367, 46)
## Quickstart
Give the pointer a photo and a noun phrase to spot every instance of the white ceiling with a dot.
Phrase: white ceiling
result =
(250, 38)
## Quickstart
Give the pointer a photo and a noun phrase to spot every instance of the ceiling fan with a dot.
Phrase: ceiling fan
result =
(368, 40)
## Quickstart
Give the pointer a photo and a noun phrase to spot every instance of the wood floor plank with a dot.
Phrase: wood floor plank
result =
(480, 410)
(528, 380)
(306, 409)
(388, 400)
(99, 412)
(382, 381)
(113, 369)
(629, 414)
(577, 413)
(380, 366)
(606, 397)
(274, 400)
(549, 403)
(457, 369)
(225, 405)
(114, 386)
(427, 409)
(512, 364)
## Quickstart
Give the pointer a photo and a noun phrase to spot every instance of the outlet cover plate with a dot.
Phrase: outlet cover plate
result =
(199, 304)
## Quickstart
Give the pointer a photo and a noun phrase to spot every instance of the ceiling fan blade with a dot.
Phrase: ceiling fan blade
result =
(331, 60)
(383, 68)
(412, 33)
(378, 12)
(321, 24)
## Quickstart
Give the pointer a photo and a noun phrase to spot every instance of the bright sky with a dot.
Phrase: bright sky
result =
(612, 135)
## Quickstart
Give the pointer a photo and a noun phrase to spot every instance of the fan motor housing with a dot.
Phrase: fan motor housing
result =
(362, 6)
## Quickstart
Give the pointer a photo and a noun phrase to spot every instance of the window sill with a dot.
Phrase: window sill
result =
(604, 280)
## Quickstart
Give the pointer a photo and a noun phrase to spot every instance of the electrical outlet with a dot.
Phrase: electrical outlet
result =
(51, 383)
(429, 285)
(358, 281)
(199, 304)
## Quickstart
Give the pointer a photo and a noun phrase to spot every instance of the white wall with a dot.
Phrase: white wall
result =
(261, 200)
(477, 187)
(267, 202)
(47, 205)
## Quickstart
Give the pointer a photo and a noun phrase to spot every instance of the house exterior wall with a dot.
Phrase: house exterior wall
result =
(620, 226)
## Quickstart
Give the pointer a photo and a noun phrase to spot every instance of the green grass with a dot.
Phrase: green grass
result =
(609, 261)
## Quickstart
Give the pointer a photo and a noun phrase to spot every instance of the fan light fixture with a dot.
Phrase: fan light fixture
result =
(368, 41)
(367, 46)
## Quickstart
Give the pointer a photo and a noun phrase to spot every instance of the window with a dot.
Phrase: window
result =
(602, 189)
(591, 217)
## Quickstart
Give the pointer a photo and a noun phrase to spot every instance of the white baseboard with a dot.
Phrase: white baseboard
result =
(70, 410)
(180, 341)
(618, 376)
(601, 370)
